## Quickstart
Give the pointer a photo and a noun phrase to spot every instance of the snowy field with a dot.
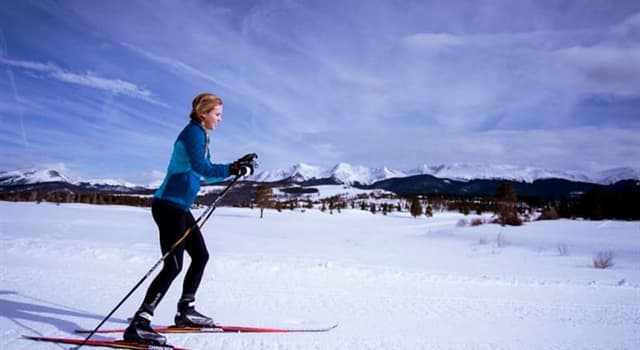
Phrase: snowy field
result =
(391, 282)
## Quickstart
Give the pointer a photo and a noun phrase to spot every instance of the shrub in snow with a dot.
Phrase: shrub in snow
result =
(510, 218)
(477, 222)
(429, 211)
(462, 223)
(603, 260)
(549, 214)
(563, 250)
(505, 207)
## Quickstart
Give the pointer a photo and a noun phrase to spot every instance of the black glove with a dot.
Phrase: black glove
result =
(244, 166)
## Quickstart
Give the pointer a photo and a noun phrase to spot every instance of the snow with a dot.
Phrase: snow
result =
(31, 176)
(392, 282)
(327, 191)
(343, 172)
(614, 175)
(112, 182)
(349, 174)
(472, 171)
(43, 175)
(299, 172)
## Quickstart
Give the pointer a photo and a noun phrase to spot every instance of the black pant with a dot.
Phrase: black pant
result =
(173, 223)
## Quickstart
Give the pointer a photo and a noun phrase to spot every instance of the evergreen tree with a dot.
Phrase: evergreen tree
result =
(416, 207)
(429, 211)
(264, 198)
(506, 200)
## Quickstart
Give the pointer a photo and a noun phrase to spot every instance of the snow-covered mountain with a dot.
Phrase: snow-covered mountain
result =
(476, 171)
(109, 182)
(342, 172)
(616, 174)
(299, 172)
(350, 174)
(32, 176)
(40, 176)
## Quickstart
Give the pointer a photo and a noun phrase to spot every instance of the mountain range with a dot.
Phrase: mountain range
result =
(456, 179)
(27, 179)
(345, 173)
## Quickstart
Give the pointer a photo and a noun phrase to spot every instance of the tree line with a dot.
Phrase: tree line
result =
(597, 204)
(71, 197)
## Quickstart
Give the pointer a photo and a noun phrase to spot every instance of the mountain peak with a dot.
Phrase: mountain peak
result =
(347, 173)
(31, 176)
(342, 172)
(298, 172)
(616, 174)
(474, 171)
(350, 174)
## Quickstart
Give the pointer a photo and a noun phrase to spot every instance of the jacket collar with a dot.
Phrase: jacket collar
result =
(198, 124)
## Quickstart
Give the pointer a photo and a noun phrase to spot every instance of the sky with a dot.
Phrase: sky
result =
(100, 89)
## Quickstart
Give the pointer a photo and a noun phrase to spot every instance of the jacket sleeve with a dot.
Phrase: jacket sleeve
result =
(195, 144)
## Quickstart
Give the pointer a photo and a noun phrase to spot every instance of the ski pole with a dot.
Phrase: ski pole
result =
(204, 217)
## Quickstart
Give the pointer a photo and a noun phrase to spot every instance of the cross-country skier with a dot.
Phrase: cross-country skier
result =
(190, 161)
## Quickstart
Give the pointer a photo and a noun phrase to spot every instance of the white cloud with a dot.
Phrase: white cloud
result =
(603, 69)
(177, 66)
(116, 86)
(364, 82)
(434, 42)
(583, 148)
(627, 31)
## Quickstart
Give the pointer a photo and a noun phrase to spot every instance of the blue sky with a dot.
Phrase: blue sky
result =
(100, 89)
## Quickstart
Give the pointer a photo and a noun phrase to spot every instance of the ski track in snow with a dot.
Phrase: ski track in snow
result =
(390, 282)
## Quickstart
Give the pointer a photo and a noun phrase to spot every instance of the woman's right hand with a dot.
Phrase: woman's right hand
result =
(244, 166)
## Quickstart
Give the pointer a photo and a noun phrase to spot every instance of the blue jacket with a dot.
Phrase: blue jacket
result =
(190, 163)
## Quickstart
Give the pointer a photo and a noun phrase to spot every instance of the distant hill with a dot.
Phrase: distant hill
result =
(464, 179)
(344, 173)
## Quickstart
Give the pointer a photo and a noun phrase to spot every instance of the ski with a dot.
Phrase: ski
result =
(220, 329)
(116, 344)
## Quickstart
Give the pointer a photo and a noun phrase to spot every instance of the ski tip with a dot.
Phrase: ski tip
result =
(335, 325)
(116, 344)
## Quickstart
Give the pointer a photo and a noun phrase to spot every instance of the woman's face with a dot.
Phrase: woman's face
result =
(210, 120)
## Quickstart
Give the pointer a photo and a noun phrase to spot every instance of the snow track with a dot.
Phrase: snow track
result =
(391, 282)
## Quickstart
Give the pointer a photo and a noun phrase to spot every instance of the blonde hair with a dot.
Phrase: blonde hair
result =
(202, 104)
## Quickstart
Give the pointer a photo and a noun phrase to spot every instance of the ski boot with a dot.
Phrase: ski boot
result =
(140, 331)
(187, 316)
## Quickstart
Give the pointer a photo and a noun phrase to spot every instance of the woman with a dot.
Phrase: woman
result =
(189, 163)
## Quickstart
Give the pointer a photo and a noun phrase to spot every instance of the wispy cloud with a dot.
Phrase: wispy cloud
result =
(177, 66)
(116, 86)
(321, 82)
(604, 70)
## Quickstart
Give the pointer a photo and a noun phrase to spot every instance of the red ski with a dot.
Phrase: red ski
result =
(117, 344)
(220, 329)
